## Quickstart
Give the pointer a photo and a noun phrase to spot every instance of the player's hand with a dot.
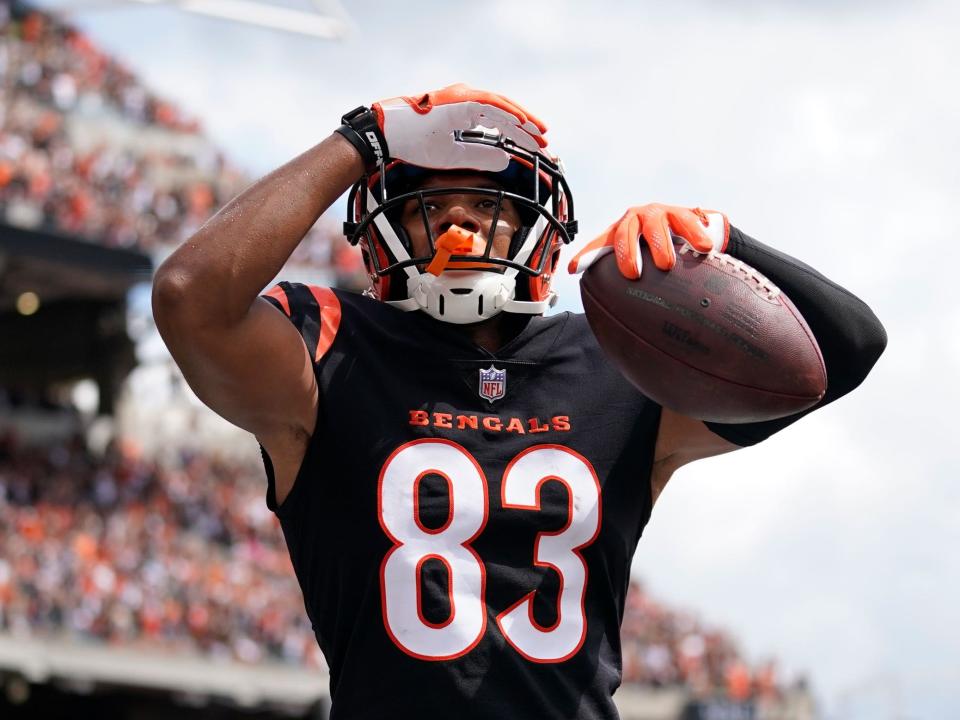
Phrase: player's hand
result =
(703, 230)
(420, 130)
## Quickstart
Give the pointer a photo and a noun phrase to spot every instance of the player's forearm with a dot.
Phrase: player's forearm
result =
(218, 273)
(850, 336)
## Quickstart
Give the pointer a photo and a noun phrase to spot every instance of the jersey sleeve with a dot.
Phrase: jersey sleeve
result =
(313, 310)
(316, 313)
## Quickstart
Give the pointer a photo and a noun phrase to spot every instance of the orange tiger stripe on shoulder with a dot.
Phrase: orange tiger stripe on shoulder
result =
(277, 293)
(329, 306)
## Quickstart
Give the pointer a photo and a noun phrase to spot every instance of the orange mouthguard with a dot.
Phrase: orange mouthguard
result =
(457, 241)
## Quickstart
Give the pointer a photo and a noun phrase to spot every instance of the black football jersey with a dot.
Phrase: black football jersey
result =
(463, 523)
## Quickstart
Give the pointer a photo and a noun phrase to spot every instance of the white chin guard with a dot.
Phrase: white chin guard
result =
(466, 296)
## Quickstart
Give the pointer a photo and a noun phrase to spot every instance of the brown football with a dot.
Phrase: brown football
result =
(711, 339)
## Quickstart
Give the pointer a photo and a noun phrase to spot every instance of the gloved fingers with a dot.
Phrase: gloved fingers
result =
(433, 118)
(427, 139)
(718, 228)
(689, 226)
(593, 251)
(461, 92)
(656, 231)
(705, 231)
(507, 114)
(531, 123)
(513, 127)
(626, 244)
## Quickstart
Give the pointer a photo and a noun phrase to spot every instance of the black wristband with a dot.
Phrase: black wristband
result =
(361, 130)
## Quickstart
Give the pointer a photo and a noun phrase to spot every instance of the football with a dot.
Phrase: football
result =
(711, 339)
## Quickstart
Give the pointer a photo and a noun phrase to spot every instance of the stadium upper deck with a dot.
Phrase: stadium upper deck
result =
(87, 150)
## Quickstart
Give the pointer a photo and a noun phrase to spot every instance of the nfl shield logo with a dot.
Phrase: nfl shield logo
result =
(493, 383)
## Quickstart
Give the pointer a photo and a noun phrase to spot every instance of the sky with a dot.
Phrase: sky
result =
(830, 130)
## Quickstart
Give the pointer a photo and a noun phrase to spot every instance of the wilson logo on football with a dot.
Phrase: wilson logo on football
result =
(493, 383)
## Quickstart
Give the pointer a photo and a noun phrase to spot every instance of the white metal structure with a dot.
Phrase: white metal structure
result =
(324, 19)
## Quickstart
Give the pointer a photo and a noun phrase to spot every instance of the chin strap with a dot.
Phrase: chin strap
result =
(407, 304)
(530, 307)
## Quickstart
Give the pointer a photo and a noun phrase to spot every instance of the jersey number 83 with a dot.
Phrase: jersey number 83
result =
(450, 544)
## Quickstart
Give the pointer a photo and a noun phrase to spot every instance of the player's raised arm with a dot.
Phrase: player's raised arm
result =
(242, 357)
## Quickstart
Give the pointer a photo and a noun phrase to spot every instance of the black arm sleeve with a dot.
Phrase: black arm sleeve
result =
(850, 336)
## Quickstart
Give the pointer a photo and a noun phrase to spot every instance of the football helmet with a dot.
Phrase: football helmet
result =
(461, 281)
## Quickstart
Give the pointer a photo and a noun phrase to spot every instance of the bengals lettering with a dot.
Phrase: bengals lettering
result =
(491, 423)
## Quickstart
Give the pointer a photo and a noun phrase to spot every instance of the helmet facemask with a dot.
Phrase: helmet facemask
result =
(462, 280)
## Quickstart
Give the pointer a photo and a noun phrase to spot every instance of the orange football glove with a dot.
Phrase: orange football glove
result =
(420, 129)
(704, 230)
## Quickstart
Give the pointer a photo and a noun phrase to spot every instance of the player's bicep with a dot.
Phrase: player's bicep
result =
(681, 440)
(256, 373)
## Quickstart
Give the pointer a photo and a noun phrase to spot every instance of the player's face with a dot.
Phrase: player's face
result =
(469, 211)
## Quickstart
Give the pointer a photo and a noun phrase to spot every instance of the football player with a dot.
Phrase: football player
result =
(461, 480)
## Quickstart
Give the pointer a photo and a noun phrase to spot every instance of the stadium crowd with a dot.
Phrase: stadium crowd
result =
(53, 177)
(184, 554)
(132, 552)
(108, 193)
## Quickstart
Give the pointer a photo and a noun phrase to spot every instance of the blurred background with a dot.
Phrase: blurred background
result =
(141, 574)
